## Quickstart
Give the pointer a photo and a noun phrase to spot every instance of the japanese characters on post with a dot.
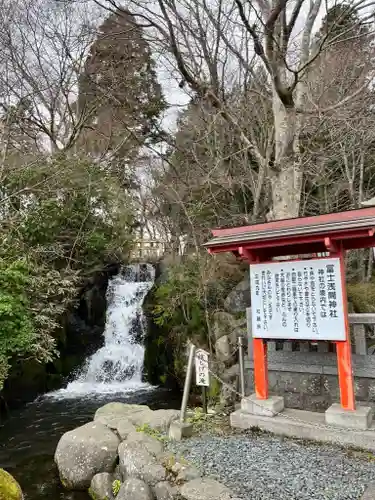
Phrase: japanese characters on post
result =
(201, 368)
(297, 300)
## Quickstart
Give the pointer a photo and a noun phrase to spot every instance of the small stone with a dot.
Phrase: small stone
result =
(101, 486)
(134, 489)
(187, 473)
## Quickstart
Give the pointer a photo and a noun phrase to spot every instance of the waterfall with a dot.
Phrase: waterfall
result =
(117, 366)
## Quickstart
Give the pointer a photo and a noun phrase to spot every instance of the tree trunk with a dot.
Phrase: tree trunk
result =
(286, 180)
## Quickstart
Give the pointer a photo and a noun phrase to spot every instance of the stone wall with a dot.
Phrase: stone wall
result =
(309, 391)
(309, 381)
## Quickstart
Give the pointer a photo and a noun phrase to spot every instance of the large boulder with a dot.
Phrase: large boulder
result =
(223, 349)
(205, 489)
(239, 298)
(135, 489)
(9, 488)
(101, 487)
(159, 420)
(136, 461)
(111, 414)
(223, 324)
(152, 445)
(124, 428)
(84, 452)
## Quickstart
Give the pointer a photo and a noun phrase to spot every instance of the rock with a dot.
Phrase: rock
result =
(117, 476)
(235, 334)
(9, 488)
(223, 324)
(151, 444)
(133, 458)
(124, 428)
(231, 374)
(205, 489)
(84, 452)
(223, 349)
(134, 489)
(112, 413)
(239, 298)
(136, 461)
(159, 420)
(187, 473)
(153, 474)
(165, 491)
(101, 487)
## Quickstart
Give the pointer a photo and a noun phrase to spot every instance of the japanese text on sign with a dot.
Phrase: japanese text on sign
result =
(297, 300)
(201, 368)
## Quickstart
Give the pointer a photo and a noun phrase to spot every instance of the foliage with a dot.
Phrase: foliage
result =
(66, 218)
(182, 306)
(361, 297)
(154, 433)
(116, 485)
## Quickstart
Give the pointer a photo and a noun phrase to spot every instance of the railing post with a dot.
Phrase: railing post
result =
(189, 373)
(242, 367)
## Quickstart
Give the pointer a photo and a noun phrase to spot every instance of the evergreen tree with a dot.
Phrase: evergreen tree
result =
(119, 94)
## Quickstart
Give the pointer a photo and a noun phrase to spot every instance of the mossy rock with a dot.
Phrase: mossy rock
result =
(9, 488)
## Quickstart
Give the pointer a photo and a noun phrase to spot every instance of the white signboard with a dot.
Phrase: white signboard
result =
(201, 368)
(297, 300)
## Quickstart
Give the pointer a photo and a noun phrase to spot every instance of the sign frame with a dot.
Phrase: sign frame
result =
(298, 300)
(202, 371)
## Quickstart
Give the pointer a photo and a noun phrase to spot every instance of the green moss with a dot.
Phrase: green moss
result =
(94, 496)
(9, 488)
(116, 485)
(214, 391)
(154, 433)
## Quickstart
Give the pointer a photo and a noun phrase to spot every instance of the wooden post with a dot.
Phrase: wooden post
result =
(204, 399)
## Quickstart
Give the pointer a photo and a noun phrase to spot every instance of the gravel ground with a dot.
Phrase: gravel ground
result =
(262, 467)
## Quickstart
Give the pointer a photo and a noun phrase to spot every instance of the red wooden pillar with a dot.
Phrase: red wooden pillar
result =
(259, 348)
(260, 368)
(344, 350)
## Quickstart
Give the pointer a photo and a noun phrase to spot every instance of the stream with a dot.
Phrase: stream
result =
(29, 437)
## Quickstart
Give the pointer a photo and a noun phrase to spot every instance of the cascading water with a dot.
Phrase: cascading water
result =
(117, 366)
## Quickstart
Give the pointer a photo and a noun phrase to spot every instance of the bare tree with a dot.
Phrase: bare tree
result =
(43, 49)
(217, 43)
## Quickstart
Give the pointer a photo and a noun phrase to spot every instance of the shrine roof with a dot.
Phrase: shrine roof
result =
(348, 226)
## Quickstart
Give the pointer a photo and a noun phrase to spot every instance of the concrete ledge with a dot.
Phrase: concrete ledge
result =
(360, 418)
(305, 425)
(267, 407)
(179, 430)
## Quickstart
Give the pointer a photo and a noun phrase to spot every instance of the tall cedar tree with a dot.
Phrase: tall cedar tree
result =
(120, 95)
